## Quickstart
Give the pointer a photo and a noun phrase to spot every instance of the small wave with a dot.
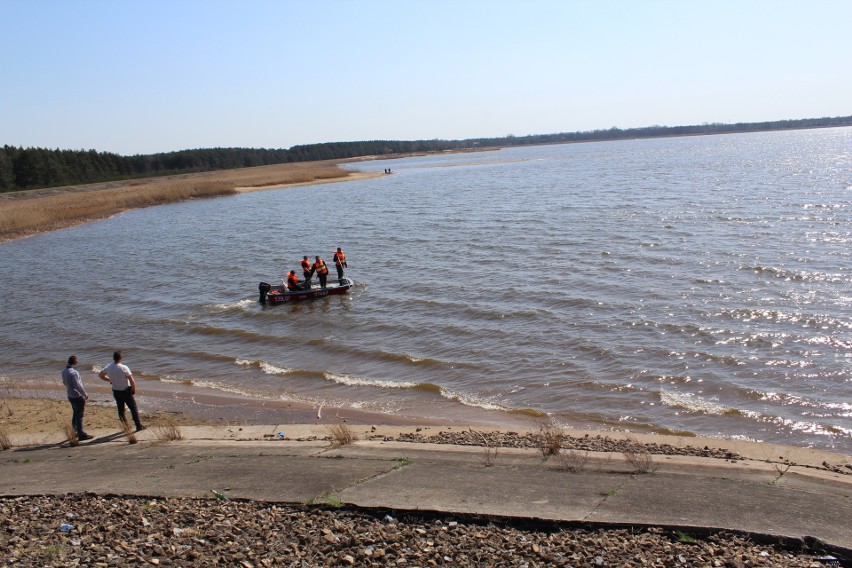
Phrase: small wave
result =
(692, 403)
(362, 382)
(818, 321)
(172, 380)
(791, 399)
(205, 329)
(795, 275)
(267, 368)
(234, 306)
(233, 389)
(270, 369)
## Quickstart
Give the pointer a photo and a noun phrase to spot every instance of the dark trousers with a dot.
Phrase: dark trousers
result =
(126, 397)
(78, 407)
(323, 278)
(339, 273)
(307, 276)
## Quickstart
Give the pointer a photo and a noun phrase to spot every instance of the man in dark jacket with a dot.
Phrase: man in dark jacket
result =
(77, 396)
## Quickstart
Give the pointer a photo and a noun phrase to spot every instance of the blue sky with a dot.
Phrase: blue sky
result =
(150, 76)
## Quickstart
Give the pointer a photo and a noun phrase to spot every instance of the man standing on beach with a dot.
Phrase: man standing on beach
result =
(123, 389)
(77, 396)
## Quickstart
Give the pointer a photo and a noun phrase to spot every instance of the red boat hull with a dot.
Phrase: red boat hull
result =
(278, 295)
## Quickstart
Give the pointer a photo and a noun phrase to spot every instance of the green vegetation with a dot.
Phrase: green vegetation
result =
(31, 168)
(327, 498)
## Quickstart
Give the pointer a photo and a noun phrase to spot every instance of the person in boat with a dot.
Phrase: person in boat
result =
(339, 263)
(293, 281)
(307, 271)
(322, 271)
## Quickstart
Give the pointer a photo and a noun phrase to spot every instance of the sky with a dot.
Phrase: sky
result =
(146, 76)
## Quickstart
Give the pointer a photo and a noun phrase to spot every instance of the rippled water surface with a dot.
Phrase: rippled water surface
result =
(697, 284)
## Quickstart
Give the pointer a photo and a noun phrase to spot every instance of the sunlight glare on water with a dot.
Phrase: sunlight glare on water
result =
(695, 284)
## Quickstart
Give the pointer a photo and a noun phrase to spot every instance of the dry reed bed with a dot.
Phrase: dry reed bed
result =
(29, 212)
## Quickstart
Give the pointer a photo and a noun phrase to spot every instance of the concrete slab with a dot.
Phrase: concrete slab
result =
(184, 469)
(730, 504)
(748, 495)
(468, 487)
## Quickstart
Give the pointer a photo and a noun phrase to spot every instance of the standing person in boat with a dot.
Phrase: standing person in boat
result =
(307, 271)
(123, 389)
(322, 271)
(77, 396)
(293, 281)
(339, 263)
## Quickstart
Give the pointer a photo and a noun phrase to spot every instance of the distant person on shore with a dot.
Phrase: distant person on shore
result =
(123, 389)
(322, 271)
(293, 281)
(77, 396)
(307, 271)
(339, 263)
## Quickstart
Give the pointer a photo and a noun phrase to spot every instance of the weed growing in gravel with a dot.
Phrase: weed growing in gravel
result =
(5, 440)
(70, 435)
(128, 431)
(639, 458)
(490, 451)
(326, 499)
(341, 434)
(573, 461)
(168, 431)
(550, 439)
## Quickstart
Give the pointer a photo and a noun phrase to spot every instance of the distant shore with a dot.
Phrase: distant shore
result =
(25, 213)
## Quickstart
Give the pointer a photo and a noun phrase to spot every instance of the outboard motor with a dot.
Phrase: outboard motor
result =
(263, 288)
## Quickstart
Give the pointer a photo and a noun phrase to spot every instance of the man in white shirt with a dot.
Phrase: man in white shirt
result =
(123, 388)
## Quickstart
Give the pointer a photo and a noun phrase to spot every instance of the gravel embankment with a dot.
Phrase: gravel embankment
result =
(88, 530)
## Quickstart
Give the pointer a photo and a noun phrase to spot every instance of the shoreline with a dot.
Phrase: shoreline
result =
(36, 418)
(32, 212)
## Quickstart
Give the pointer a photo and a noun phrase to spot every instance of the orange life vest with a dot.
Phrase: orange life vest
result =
(339, 258)
(320, 267)
(306, 265)
(292, 280)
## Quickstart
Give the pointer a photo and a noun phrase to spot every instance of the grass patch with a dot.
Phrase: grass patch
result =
(168, 431)
(550, 440)
(573, 461)
(70, 435)
(490, 456)
(341, 434)
(129, 433)
(684, 538)
(639, 458)
(5, 440)
(326, 499)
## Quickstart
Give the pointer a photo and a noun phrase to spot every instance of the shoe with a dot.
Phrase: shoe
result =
(140, 428)
(85, 437)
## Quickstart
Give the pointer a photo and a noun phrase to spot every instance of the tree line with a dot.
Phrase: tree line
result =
(29, 168)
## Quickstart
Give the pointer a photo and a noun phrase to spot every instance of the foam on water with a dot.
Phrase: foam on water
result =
(666, 285)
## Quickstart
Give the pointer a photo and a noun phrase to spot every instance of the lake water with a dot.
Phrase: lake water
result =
(694, 285)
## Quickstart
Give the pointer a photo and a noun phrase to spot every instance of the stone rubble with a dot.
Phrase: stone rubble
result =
(116, 531)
